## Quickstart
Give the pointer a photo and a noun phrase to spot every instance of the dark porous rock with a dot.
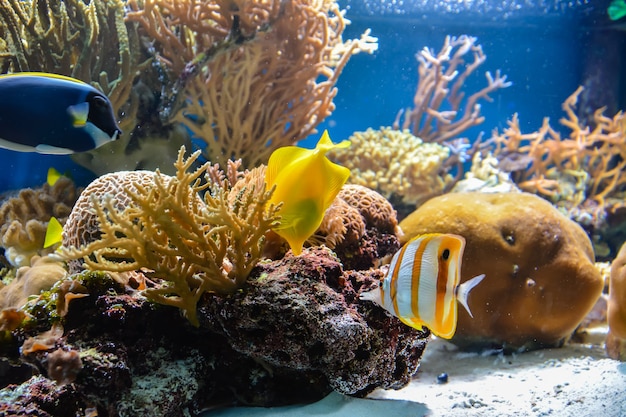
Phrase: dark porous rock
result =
(302, 314)
(41, 397)
(296, 331)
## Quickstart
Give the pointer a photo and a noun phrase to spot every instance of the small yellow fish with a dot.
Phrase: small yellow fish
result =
(422, 287)
(54, 233)
(306, 184)
(53, 176)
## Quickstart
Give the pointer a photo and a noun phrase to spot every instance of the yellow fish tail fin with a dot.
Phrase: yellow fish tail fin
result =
(53, 176)
(337, 177)
(54, 233)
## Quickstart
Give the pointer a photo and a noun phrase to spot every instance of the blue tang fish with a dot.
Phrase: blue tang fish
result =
(53, 114)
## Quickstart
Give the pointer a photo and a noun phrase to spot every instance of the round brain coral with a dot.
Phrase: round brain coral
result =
(377, 212)
(82, 226)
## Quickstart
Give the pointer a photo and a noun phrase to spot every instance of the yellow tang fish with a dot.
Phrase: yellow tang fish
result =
(306, 183)
(422, 287)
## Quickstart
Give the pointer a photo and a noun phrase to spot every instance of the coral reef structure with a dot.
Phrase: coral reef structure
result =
(304, 313)
(423, 155)
(24, 219)
(439, 96)
(31, 280)
(247, 77)
(293, 333)
(361, 227)
(397, 164)
(616, 338)
(161, 224)
(540, 276)
(585, 167)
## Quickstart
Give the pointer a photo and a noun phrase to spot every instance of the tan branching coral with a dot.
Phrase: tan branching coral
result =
(164, 227)
(254, 75)
(24, 219)
(588, 164)
(396, 164)
(439, 95)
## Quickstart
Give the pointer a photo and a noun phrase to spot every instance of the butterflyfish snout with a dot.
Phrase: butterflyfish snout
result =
(306, 183)
(53, 114)
(422, 285)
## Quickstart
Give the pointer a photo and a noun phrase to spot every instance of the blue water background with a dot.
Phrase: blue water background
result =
(542, 49)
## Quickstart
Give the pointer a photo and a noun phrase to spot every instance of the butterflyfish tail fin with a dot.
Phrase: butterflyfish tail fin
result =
(54, 233)
(464, 290)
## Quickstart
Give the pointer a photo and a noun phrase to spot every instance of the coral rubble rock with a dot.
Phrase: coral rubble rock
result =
(540, 277)
(302, 313)
(296, 331)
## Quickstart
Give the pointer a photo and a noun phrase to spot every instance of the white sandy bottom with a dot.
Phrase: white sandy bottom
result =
(576, 380)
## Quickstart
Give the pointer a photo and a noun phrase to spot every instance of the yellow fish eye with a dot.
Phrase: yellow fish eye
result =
(445, 255)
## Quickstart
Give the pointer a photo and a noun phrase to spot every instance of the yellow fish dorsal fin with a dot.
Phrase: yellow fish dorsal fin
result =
(325, 144)
(53, 176)
(54, 233)
(281, 159)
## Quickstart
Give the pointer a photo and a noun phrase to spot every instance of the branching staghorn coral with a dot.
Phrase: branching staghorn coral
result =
(439, 96)
(397, 164)
(166, 229)
(592, 158)
(258, 75)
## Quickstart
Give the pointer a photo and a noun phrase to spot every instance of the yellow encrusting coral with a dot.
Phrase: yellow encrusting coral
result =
(396, 164)
(196, 231)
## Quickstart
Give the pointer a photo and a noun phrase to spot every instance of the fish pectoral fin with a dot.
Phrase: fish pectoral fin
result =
(79, 114)
(372, 295)
(52, 150)
(464, 290)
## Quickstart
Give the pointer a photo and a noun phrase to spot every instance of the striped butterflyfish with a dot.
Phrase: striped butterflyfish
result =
(53, 114)
(422, 285)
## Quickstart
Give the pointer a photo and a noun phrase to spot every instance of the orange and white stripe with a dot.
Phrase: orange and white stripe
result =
(422, 285)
